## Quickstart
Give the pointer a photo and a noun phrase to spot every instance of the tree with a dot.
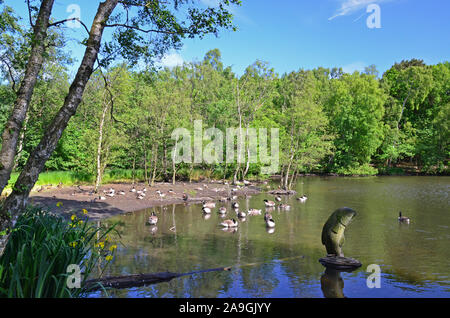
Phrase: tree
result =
(152, 17)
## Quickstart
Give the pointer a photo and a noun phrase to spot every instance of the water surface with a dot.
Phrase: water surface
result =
(414, 259)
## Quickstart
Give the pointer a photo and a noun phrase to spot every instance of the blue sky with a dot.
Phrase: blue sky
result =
(294, 34)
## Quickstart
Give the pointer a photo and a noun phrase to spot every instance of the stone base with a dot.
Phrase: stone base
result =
(340, 263)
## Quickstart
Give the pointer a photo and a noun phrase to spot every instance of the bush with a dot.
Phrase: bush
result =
(40, 249)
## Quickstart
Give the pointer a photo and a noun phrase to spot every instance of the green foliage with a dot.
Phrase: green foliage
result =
(41, 247)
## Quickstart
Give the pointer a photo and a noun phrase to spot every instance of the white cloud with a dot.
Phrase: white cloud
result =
(171, 59)
(351, 6)
(355, 66)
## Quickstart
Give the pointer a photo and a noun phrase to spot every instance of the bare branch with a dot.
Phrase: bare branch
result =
(67, 20)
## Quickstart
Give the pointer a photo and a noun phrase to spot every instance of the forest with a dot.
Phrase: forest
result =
(329, 121)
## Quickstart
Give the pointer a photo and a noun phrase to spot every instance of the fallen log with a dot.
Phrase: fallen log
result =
(137, 280)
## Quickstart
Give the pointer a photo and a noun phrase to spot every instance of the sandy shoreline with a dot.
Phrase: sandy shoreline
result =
(76, 198)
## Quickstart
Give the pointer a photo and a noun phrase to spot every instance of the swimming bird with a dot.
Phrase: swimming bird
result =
(229, 223)
(403, 219)
(269, 203)
(278, 198)
(240, 214)
(153, 219)
(284, 206)
(222, 210)
(210, 205)
(303, 198)
(270, 222)
(206, 210)
(254, 212)
(267, 216)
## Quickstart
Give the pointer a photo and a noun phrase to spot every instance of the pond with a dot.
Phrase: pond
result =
(414, 258)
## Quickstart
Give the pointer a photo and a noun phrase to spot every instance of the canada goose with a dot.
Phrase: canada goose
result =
(206, 210)
(144, 190)
(229, 223)
(153, 219)
(102, 198)
(284, 206)
(235, 205)
(171, 191)
(267, 216)
(110, 194)
(241, 214)
(210, 205)
(133, 189)
(278, 198)
(140, 197)
(223, 199)
(222, 210)
(122, 192)
(270, 222)
(254, 212)
(303, 198)
(269, 203)
(403, 219)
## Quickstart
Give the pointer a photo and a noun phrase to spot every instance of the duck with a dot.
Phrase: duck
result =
(284, 206)
(269, 203)
(229, 223)
(235, 205)
(206, 210)
(303, 198)
(278, 198)
(270, 222)
(153, 219)
(185, 197)
(403, 219)
(222, 210)
(210, 205)
(254, 212)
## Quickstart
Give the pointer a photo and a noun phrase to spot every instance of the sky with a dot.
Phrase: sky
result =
(305, 34)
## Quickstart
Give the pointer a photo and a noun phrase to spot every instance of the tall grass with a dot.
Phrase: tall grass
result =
(40, 249)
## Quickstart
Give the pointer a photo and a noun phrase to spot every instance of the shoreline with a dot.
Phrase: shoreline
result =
(73, 199)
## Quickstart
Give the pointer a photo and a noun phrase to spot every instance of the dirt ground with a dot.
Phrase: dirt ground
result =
(76, 198)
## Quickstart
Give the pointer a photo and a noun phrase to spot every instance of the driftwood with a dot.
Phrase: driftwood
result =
(136, 280)
(282, 192)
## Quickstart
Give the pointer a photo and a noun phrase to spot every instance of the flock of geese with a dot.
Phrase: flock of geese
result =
(208, 207)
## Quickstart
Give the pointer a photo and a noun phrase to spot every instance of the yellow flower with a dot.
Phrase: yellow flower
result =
(73, 244)
(113, 247)
(84, 211)
(101, 244)
(80, 221)
(73, 217)
(59, 204)
(109, 258)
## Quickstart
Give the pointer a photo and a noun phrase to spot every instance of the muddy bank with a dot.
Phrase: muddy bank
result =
(71, 200)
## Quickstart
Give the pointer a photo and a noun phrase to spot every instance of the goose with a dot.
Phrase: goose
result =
(206, 210)
(235, 205)
(240, 214)
(269, 203)
(122, 192)
(404, 219)
(303, 198)
(229, 223)
(267, 216)
(223, 199)
(133, 189)
(153, 219)
(284, 206)
(222, 210)
(140, 197)
(110, 194)
(254, 212)
(102, 198)
(270, 222)
(210, 205)
(278, 198)
(171, 191)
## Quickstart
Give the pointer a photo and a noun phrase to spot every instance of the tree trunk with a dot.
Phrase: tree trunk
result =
(14, 124)
(21, 139)
(154, 167)
(238, 164)
(17, 200)
(98, 180)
